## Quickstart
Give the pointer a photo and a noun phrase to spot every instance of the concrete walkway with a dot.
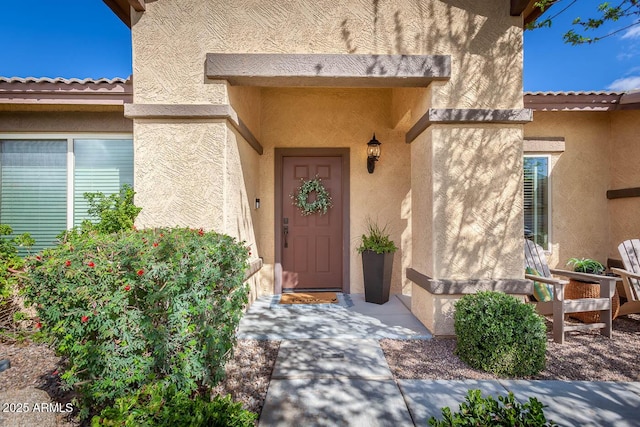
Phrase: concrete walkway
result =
(331, 371)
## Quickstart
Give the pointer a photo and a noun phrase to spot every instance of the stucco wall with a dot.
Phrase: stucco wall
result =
(180, 173)
(65, 121)
(466, 181)
(172, 38)
(624, 173)
(340, 118)
(579, 181)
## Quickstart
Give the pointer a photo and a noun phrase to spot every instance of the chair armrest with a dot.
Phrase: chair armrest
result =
(607, 283)
(585, 277)
(548, 280)
(627, 273)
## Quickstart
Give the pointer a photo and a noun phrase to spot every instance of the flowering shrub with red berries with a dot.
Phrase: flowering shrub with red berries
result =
(136, 307)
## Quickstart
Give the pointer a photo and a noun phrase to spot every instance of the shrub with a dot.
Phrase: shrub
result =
(500, 334)
(10, 263)
(135, 307)
(157, 405)
(506, 411)
(111, 214)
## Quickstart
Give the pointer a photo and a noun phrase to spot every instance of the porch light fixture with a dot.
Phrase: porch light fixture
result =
(373, 153)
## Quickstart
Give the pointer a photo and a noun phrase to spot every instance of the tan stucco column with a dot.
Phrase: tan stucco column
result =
(467, 220)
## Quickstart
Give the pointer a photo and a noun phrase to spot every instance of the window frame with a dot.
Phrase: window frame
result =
(71, 164)
(549, 216)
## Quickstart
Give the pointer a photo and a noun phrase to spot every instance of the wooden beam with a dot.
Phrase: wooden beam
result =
(518, 6)
(623, 193)
(121, 9)
(138, 5)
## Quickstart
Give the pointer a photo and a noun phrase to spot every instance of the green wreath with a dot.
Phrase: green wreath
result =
(301, 197)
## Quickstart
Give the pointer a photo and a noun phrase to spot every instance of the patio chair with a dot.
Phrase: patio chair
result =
(630, 287)
(558, 306)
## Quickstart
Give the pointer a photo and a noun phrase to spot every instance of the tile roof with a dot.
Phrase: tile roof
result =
(63, 80)
(45, 90)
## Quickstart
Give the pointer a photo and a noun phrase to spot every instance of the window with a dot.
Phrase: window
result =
(42, 180)
(536, 199)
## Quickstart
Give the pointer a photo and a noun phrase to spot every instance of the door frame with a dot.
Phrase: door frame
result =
(280, 154)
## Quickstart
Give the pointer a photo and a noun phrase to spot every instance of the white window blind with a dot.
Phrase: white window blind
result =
(34, 188)
(101, 165)
(536, 199)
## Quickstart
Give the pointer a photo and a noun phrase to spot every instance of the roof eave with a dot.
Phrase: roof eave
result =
(122, 8)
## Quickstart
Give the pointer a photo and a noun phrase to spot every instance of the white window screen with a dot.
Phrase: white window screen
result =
(101, 165)
(34, 188)
(536, 200)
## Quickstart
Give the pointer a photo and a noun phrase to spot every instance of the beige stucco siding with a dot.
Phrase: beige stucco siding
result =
(172, 38)
(579, 180)
(180, 173)
(463, 178)
(624, 173)
(65, 121)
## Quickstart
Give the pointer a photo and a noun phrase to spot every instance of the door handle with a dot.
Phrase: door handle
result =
(285, 230)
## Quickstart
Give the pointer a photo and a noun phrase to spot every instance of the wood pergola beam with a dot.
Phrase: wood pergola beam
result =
(138, 5)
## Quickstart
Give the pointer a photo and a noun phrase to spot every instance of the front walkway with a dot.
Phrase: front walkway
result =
(352, 318)
(331, 371)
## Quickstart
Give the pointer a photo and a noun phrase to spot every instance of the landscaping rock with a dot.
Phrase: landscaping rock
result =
(28, 407)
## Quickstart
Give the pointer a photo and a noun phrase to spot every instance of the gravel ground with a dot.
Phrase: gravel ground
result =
(247, 380)
(249, 372)
(583, 356)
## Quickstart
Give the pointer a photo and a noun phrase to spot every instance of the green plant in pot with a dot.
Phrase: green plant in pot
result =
(577, 288)
(586, 265)
(377, 251)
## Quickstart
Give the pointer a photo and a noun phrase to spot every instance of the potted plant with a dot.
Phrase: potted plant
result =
(377, 251)
(577, 288)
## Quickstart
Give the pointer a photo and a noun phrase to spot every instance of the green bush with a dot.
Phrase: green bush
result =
(134, 307)
(500, 334)
(110, 214)
(158, 405)
(10, 263)
(506, 411)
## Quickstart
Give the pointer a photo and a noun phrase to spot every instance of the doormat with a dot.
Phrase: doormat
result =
(309, 298)
(343, 301)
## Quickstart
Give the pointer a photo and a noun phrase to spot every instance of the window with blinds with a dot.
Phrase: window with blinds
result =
(100, 166)
(536, 199)
(36, 182)
(34, 188)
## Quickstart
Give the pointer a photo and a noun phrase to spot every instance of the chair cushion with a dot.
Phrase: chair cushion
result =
(542, 292)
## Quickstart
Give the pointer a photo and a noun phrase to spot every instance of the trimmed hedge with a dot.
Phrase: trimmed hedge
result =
(500, 334)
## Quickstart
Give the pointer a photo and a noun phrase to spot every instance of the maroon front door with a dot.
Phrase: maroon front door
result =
(312, 244)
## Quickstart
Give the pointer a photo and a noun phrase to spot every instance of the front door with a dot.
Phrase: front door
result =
(312, 245)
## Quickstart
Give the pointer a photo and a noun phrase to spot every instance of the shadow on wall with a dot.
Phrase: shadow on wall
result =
(405, 244)
(478, 202)
(487, 75)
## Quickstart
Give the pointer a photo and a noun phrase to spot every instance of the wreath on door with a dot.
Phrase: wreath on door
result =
(322, 201)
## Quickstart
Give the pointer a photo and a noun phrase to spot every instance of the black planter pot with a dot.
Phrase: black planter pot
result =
(377, 276)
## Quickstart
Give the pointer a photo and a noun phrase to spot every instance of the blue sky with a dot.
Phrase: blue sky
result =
(83, 38)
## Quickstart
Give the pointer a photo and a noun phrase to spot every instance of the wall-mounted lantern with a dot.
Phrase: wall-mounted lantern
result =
(373, 153)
